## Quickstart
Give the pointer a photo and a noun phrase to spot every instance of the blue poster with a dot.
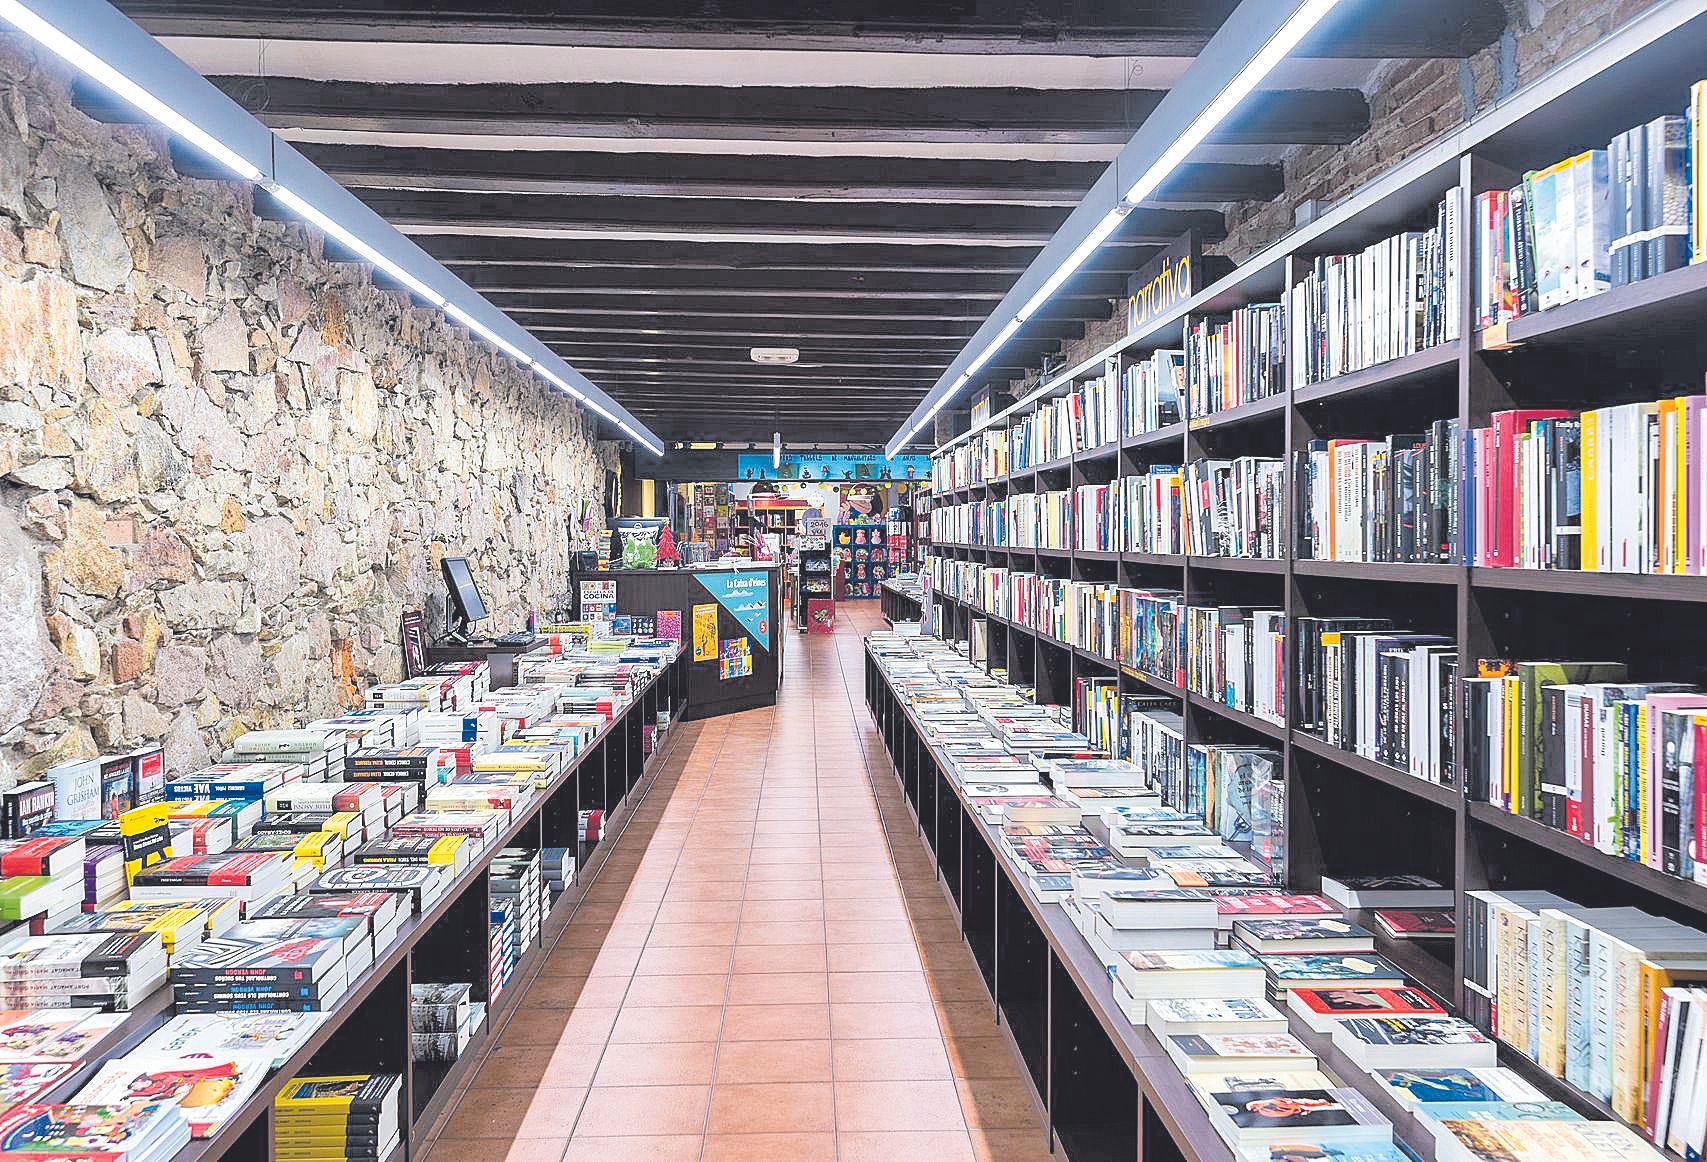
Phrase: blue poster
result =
(747, 597)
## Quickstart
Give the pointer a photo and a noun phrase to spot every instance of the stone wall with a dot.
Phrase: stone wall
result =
(1411, 104)
(228, 465)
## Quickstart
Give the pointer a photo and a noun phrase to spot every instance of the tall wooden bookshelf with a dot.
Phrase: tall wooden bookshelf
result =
(1347, 814)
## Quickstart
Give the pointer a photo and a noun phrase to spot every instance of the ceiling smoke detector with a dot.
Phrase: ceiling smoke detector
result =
(775, 354)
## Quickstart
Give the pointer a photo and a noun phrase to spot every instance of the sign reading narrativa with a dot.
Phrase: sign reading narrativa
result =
(747, 597)
(1167, 280)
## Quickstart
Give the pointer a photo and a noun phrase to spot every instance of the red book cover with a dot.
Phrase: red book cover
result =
(1507, 426)
(1276, 905)
(29, 858)
(1367, 1002)
(1415, 924)
(237, 871)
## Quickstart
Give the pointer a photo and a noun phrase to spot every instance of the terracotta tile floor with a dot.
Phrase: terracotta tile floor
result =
(765, 968)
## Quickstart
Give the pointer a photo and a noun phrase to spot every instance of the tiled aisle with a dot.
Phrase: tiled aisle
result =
(754, 976)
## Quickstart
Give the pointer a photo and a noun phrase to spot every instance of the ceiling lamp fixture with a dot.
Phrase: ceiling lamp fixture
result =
(89, 35)
(1286, 38)
(775, 354)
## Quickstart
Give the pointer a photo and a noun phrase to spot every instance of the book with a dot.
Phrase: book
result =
(274, 1035)
(1224, 1053)
(1260, 1117)
(1417, 923)
(1390, 891)
(1417, 1087)
(1168, 1016)
(94, 1133)
(1330, 970)
(1323, 1009)
(1423, 1042)
(1539, 1141)
(1302, 935)
(208, 1088)
(24, 1082)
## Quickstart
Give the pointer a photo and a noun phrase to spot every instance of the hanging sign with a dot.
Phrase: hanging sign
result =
(1164, 282)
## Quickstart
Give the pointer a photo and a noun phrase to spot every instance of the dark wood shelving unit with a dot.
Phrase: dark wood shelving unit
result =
(367, 1027)
(1348, 814)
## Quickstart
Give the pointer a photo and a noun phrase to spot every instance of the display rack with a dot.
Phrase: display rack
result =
(864, 551)
(368, 1028)
(1347, 814)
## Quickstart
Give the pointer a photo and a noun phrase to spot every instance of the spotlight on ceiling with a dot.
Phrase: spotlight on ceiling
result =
(775, 354)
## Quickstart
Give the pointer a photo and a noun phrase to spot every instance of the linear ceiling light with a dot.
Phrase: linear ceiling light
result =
(1296, 28)
(306, 210)
(1098, 235)
(488, 334)
(1244, 82)
(87, 62)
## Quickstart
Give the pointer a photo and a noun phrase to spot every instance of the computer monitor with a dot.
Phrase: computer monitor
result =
(465, 602)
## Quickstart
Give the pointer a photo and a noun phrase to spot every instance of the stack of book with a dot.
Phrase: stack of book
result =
(443, 1018)
(208, 1087)
(504, 932)
(1601, 998)
(516, 876)
(349, 1118)
(42, 878)
(94, 969)
(248, 876)
(130, 1131)
(1601, 219)
(252, 969)
(1153, 393)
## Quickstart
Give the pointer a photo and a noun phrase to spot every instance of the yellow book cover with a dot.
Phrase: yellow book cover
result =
(1590, 477)
(1513, 743)
(1679, 514)
(145, 836)
(443, 853)
(318, 847)
(347, 824)
(340, 1094)
(1627, 1037)
(217, 915)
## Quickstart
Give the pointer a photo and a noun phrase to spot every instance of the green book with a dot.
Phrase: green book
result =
(1531, 676)
(24, 896)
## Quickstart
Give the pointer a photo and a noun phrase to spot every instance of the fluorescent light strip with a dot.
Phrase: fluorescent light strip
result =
(51, 38)
(1297, 26)
(488, 334)
(1098, 235)
(560, 383)
(304, 209)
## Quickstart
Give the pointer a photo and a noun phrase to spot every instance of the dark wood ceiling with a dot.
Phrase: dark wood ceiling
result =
(655, 186)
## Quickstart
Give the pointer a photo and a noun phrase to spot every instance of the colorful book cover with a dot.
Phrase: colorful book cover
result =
(208, 1088)
(82, 1130)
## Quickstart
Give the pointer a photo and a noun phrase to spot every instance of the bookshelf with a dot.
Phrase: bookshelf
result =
(1348, 813)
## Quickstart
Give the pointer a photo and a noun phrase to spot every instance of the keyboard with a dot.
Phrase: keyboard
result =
(514, 639)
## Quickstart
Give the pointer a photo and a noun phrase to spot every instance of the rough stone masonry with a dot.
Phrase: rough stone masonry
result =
(227, 465)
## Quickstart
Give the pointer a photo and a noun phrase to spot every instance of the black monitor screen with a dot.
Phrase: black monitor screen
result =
(463, 595)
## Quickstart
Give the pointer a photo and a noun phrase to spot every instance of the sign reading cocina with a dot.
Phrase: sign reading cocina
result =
(1165, 281)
